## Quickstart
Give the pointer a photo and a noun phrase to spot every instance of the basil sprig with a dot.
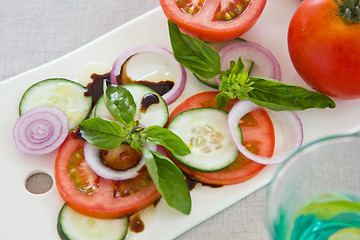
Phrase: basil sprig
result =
(107, 134)
(201, 59)
(195, 55)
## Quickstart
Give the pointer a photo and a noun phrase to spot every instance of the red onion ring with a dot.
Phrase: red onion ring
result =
(92, 158)
(263, 59)
(41, 130)
(180, 72)
(287, 123)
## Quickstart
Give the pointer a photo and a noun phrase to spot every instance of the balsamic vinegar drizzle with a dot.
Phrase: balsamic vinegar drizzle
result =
(161, 87)
(96, 88)
(191, 182)
(136, 224)
(148, 100)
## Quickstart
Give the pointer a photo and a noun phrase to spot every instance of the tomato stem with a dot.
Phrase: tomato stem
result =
(349, 10)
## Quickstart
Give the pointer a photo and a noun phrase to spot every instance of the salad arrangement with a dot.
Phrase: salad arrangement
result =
(162, 175)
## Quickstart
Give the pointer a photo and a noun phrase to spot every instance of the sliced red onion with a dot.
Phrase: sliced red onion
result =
(265, 64)
(288, 132)
(41, 130)
(92, 158)
(180, 72)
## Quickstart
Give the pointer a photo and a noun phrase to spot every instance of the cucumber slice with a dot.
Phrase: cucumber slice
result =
(65, 94)
(209, 82)
(205, 132)
(155, 114)
(72, 225)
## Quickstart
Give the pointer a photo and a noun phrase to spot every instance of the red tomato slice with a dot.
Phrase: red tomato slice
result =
(258, 137)
(213, 20)
(92, 195)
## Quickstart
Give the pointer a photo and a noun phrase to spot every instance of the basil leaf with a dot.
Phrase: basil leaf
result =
(235, 68)
(221, 99)
(168, 180)
(120, 103)
(104, 134)
(194, 54)
(235, 82)
(269, 93)
(165, 137)
(236, 85)
(279, 96)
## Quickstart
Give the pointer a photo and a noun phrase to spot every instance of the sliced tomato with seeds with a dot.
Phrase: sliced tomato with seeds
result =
(213, 20)
(95, 196)
(258, 137)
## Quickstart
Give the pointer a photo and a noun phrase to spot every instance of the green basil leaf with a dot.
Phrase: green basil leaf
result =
(237, 67)
(279, 96)
(168, 180)
(221, 99)
(235, 82)
(103, 133)
(165, 137)
(120, 103)
(195, 55)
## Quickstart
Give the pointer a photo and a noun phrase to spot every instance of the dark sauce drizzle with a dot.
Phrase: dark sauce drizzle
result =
(136, 224)
(96, 88)
(148, 100)
(76, 133)
(161, 87)
(191, 182)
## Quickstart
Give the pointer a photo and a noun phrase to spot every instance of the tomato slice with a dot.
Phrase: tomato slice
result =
(92, 195)
(258, 137)
(213, 20)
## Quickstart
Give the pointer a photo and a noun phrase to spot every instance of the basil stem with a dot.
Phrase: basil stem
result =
(169, 181)
(194, 54)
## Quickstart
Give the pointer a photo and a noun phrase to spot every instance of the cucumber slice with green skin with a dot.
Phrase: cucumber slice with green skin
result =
(154, 114)
(208, 82)
(65, 94)
(72, 225)
(205, 132)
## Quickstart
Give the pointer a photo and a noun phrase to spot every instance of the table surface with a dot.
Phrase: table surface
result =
(36, 32)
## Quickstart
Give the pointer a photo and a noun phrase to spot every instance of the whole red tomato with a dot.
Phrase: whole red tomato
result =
(325, 48)
(213, 20)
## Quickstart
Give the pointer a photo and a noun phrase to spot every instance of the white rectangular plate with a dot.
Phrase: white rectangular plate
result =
(27, 216)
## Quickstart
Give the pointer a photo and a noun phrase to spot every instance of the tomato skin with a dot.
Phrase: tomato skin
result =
(202, 25)
(101, 203)
(258, 134)
(324, 49)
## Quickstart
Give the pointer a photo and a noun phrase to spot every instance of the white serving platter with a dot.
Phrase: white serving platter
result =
(28, 216)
